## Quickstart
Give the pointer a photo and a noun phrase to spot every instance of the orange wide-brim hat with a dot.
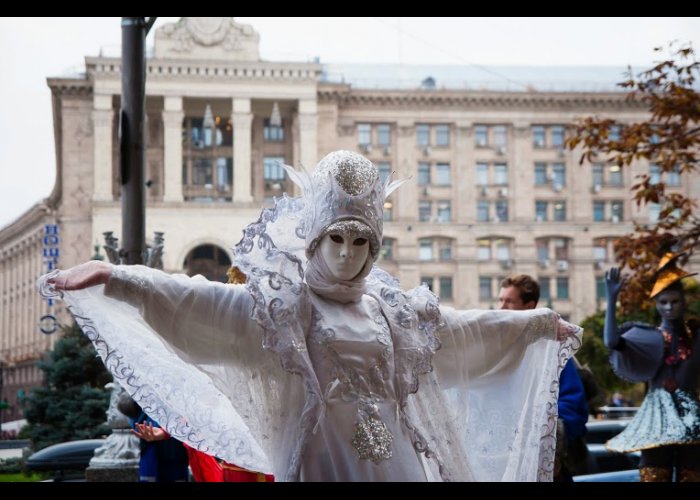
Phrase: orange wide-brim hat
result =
(666, 278)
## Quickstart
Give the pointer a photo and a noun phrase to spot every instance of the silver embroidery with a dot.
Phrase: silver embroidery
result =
(384, 335)
(372, 439)
(540, 326)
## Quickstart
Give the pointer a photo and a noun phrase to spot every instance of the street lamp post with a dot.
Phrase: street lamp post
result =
(117, 459)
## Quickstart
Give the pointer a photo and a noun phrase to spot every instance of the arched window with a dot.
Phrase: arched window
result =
(210, 261)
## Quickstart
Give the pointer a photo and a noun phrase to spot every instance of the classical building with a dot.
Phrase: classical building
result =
(493, 192)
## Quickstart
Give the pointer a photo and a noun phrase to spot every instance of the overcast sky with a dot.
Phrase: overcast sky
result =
(32, 49)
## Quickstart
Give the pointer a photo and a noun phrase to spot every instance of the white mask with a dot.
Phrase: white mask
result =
(345, 254)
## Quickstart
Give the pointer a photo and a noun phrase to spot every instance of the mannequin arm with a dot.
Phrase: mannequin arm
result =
(613, 285)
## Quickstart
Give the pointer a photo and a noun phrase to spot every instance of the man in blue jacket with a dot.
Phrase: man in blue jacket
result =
(523, 292)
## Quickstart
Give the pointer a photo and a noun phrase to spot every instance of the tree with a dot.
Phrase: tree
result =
(73, 402)
(669, 139)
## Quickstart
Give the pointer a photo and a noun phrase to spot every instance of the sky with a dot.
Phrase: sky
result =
(32, 49)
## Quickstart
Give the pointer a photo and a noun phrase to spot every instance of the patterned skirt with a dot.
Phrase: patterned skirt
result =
(665, 418)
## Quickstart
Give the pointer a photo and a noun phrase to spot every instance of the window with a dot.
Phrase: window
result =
(445, 249)
(561, 249)
(482, 174)
(557, 136)
(540, 174)
(383, 134)
(559, 211)
(443, 174)
(210, 261)
(544, 288)
(364, 134)
(387, 251)
(654, 211)
(616, 211)
(441, 177)
(483, 249)
(654, 174)
(274, 177)
(384, 169)
(273, 133)
(427, 282)
(272, 168)
(673, 178)
(615, 175)
(598, 211)
(481, 135)
(558, 174)
(388, 210)
(207, 159)
(500, 137)
(610, 175)
(600, 290)
(614, 133)
(501, 174)
(542, 247)
(498, 248)
(541, 211)
(425, 210)
(502, 250)
(563, 288)
(444, 211)
(423, 174)
(482, 211)
(485, 292)
(442, 135)
(538, 136)
(445, 287)
(598, 178)
(502, 211)
(425, 249)
(600, 250)
(423, 134)
(431, 248)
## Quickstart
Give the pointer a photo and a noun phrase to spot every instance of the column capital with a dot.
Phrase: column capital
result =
(241, 105)
(173, 119)
(172, 103)
(102, 101)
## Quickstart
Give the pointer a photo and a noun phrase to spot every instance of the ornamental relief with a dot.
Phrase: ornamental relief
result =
(214, 38)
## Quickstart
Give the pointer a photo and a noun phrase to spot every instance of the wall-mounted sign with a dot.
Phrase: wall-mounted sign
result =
(50, 251)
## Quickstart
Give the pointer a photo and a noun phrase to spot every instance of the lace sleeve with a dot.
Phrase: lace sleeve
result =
(191, 313)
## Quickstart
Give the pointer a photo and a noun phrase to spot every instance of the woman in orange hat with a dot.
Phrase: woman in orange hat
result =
(667, 426)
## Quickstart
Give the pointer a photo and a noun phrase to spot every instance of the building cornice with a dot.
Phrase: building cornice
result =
(344, 95)
(105, 67)
(25, 222)
(70, 86)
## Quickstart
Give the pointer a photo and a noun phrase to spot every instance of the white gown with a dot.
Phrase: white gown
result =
(362, 394)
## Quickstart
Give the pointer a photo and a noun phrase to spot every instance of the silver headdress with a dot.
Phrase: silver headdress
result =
(344, 193)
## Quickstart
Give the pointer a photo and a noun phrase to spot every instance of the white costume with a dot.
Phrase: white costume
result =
(310, 378)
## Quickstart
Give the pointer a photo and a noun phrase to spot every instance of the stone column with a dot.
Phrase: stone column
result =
(102, 120)
(172, 148)
(308, 133)
(242, 148)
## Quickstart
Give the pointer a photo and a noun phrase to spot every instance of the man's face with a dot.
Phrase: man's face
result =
(509, 298)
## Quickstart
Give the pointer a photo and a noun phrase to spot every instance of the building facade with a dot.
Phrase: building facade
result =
(493, 191)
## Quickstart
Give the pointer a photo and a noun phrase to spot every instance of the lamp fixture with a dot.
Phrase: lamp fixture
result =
(275, 117)
(208, 118)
